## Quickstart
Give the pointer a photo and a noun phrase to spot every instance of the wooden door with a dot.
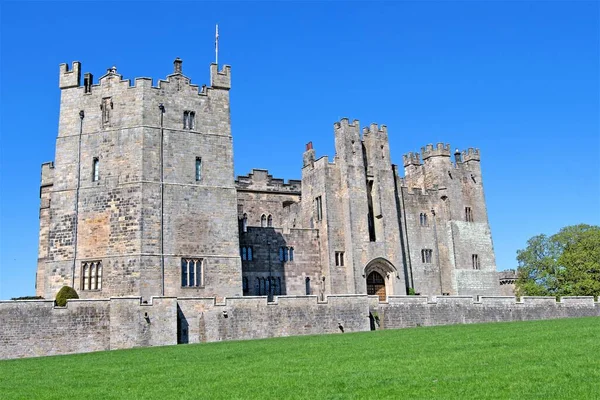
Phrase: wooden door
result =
(376, 285)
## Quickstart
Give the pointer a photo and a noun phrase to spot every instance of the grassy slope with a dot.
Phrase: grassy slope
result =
(542, 359)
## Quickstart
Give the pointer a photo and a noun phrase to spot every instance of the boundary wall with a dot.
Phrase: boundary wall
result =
(32, 328)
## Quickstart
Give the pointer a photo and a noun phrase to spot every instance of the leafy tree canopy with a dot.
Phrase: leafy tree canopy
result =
(564, 264)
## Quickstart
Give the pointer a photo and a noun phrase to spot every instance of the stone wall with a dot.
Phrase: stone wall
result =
(37, 328)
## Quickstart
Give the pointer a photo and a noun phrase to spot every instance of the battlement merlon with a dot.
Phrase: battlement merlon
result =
(69, 78)
(411, 159)
(47, 177)
(471, 155)
(440, 150)
(220, 79)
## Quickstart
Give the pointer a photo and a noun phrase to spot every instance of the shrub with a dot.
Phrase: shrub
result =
(28, 298)
(411, 292)
(65, 293)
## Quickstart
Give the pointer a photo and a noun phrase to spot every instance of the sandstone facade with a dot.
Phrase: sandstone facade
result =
(142, 201)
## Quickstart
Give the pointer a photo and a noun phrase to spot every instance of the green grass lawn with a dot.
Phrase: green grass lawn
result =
(518, 360)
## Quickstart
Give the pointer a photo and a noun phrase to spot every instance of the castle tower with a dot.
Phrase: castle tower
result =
(141, 198)
(447, 235)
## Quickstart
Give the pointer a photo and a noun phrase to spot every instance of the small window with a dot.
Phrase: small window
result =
(319, 208)
(426, 256)
(95, 170)
(246, 253)
(198, 168)
(263, 221)
(189, 119)
(245, 223)
(286, 254)
(468, 214)
(270, 221)
(192, 120)
(106, 107)
(423, 219)
(192, 272)
(307, 283)
(475, 261)
(91, 275)
(339, 258)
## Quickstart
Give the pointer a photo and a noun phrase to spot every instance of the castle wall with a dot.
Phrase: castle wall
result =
(37, 328)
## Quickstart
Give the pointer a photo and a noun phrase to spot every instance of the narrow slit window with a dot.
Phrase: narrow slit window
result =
(263, 221)
(270, 221)
(339, 258)
(319, 208)
(307, 283)
(245, 223)
(291, 254)
(198, 168)
(95, 169)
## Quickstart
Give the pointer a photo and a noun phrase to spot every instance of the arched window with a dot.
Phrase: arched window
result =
(263, 221)
(245, 285)
(291, 254)
(245, 223)
(270, 221)
(244, 254)
(281, 254)
(249, 253)
(307, 285)
(257, 287)
(423, 219)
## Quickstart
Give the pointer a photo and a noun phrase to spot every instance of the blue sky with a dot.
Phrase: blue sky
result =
(519, 80)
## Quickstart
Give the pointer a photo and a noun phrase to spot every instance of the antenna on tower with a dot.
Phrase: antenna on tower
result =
(217, 44)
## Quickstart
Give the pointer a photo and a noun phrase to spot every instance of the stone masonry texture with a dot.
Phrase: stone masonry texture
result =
(34, 328)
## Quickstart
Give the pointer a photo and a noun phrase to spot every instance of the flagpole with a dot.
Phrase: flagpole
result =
(217, 44)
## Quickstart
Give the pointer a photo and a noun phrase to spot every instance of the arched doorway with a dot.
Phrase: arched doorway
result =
(376, 285)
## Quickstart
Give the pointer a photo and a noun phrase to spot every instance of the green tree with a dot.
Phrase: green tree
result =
(564, 264)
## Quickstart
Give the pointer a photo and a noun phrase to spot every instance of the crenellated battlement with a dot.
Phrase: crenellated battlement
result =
(470, 155)
(344, 123)
(411, 159)
(375, 129)
(260, 179)
(440, 150)
(72, 79)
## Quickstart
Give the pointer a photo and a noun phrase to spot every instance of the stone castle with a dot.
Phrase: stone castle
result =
(141, 214)
(141, 201)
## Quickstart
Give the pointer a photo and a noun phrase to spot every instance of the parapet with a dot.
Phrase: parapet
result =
(261, 180)
(345, 125)
(69, 78)
(375, 129)
(440, 150)
(411, 159)
(220, 79)
(471, 155)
